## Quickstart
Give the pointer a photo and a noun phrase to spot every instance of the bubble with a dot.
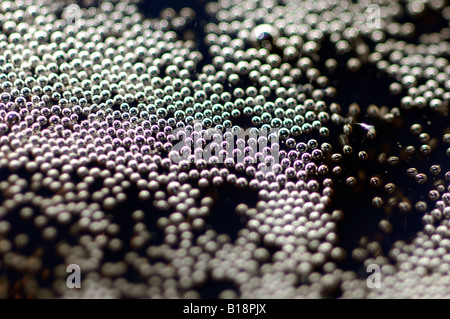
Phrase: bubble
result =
(12, 118)
(264, 35)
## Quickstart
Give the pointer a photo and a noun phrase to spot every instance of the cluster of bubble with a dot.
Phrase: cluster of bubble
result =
(91, 111)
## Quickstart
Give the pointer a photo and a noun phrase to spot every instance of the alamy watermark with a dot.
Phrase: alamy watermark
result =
(229, 145)
(374, 279)
(373, 16)
(74, 279)
(72, 13)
